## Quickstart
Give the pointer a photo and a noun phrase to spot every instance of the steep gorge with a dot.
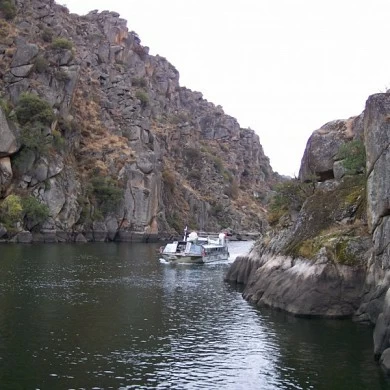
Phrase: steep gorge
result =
(118, 127)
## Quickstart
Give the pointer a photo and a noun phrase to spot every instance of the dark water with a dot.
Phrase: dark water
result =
(111, 316)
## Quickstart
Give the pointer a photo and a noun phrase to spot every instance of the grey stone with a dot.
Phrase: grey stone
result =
(25, 53)
(24, 237)
(6, 173)
(3, 230)
(338, 170)
(385, 361)
(8, 142)
(22, 71)
(80, 238)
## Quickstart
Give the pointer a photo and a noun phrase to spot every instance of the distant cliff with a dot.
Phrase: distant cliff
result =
(98, 141)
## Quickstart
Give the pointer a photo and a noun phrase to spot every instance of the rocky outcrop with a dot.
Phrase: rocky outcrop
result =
(375, 304)
(315, 267)
(321, 160)
(123, 151)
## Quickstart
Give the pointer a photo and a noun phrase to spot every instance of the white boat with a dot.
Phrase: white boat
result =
(194, 249)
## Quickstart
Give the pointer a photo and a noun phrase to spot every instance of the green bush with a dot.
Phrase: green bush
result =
(58, 140)
(11, 211)
(34, 138)
(143, 97)
(23, 161)
(139, 82)
(353, 156)
(289, 196)
(34, 212)
(62, 44)
(62, 75)
(218, 164)
(47, 35)
(106, 194)
(5, 106)
(8, 8)
(174, 221)
(195, 174)
(31, 108)
(216, 209)
(41, 64)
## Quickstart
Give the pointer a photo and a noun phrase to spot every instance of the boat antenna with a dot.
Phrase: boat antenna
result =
(185, 234)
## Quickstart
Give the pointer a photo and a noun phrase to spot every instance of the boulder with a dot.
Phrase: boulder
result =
(3, 230)
(99, 231)
(22, 71)
(299, 286)
(80, 238)
(5, 173)
(8, 142)
(24, 55)
(321, 150)
(385, 361)
(24, 237)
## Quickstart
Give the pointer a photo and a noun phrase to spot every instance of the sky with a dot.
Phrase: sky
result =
(283, 68)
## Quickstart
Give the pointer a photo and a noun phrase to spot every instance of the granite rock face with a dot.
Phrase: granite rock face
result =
(375, 304)
(320, 159)
(128, 152)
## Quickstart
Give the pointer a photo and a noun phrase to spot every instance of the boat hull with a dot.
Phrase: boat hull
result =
(196, 250)
(194, 259)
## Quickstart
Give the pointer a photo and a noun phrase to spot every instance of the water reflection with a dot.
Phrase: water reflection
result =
(111, 316)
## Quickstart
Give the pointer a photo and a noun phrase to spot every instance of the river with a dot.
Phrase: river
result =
(112, 316)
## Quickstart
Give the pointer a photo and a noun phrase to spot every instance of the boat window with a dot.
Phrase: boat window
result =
(197, 249)
(169, 248)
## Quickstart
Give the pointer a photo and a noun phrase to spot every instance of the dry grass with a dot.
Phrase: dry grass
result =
(99, 148)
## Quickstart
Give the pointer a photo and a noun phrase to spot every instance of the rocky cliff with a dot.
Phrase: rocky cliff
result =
(98, 141)
(327, 253)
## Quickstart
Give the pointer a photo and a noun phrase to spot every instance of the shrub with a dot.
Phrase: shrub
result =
(62, 44)
(218, 164)
(34, 138)
(216, 209)
(8, 8)
(58, 140)
(47, 35)
(139, 82)
(34, 212)
(174, 221)
(11, 211)
(169, 180)
(143, 97)
(62, 75)
(232, 190)
(353, 154)
(5, 106)
(31, 108)
(289, 196)
(41, 64)
(23, 161)
(193, 154)
(106, 193)
(195, 174)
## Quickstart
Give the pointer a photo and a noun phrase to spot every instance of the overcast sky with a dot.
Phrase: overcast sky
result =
(281, 67)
